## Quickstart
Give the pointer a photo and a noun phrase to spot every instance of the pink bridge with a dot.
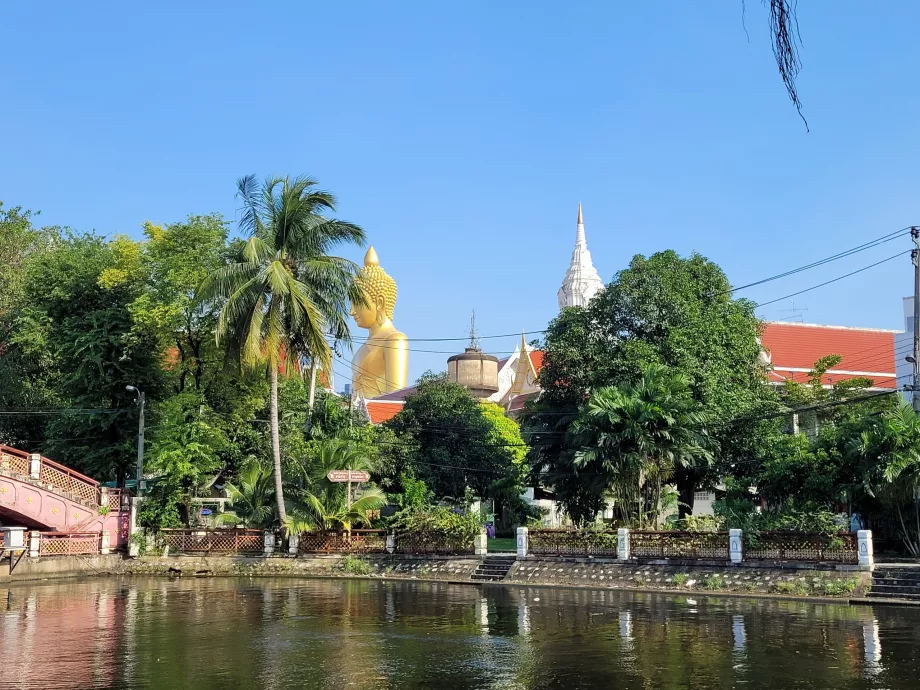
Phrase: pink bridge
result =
(42, 495)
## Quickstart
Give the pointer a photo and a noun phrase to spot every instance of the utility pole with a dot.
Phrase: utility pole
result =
(915, 258)
(141, 401)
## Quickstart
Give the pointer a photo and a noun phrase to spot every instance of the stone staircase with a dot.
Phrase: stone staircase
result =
(896, 582)
(493, 569)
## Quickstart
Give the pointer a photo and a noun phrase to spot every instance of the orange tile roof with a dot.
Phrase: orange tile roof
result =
(795, 347)
(380, 412)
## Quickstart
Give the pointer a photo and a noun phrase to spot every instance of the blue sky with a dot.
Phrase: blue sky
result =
(462, 136)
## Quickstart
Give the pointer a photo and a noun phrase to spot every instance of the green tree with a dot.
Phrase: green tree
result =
(451, 441)
(667, 310)
(637, 436)
(252, 498)
(285, 293)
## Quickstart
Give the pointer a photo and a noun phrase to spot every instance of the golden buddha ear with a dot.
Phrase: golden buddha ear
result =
(381, 310)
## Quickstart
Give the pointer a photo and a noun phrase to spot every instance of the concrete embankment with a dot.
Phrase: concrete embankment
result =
(785, 579)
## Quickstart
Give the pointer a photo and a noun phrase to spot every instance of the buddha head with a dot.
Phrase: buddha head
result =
(379, 290)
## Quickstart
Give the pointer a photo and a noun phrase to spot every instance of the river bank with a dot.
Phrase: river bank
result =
(787, 579)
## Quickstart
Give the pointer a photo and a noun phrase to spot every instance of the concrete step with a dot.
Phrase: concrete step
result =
(894, 589)
(895, 581)
(873, 594)
(486, 578)
(499, 560)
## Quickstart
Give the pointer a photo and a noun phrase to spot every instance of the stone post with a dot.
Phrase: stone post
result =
(735, 553)
(480, 544)
(103, 497)
(623, 544)
(133, 549)
(34, 543)
(391, 542)
(523, 543)
(864, 549)
(293, 543)
(105, 547)
(35, 465)
(269, 543)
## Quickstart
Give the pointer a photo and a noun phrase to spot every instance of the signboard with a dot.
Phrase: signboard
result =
(348, 476)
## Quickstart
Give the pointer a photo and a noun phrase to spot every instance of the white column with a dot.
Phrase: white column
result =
(623, 543)
(34, 542)
(293, 543)
(35, 465)
(105, 547)
(865, 551)
(523, 543)
(735, 553)
(133, 549)
(269, 543)
(391, 542)
(480, 544)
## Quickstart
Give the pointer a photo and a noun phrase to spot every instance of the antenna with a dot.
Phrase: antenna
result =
(474, 343)
(795, 314)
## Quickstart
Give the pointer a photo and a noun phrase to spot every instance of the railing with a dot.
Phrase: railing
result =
(794, 546)
(712, 545)
(431, 543)
(213, 540)
(567, 542)
(69, 543)
(54, 474)
(359, 541)
(114, 501)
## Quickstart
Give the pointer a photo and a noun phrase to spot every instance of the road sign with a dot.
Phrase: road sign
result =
(348, 476)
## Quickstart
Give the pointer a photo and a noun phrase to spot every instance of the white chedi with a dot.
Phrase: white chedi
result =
(581, 281)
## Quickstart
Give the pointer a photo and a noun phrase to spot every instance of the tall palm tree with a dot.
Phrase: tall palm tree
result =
(323, 504)
(634, 437)
(285, 294)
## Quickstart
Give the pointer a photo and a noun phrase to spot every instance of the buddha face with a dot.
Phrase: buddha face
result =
(366, 316)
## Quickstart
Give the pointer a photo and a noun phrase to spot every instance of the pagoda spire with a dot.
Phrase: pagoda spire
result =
(581, 281)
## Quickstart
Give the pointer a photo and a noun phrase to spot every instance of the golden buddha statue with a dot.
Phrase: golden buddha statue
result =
(381, 365)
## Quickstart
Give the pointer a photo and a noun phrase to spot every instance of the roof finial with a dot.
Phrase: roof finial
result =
(581, 221)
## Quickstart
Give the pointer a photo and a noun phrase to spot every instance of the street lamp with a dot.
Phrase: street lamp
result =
(141, 400)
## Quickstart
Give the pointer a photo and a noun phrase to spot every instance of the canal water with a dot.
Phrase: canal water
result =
(284, 633)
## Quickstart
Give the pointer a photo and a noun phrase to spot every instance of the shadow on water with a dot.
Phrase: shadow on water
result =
(227, 633)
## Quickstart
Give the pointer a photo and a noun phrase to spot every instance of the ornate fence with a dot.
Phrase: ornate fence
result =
(712, 545)
(567, 542)
(359, 541)
(795, 546)
(14, 460)
(51, 473)
(69, 543)
(431, 543)
(213, 540)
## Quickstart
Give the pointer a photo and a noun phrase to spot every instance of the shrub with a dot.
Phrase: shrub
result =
(680, 579)
(790, 587)
(355, 566)
(640, 581)
(714, 581)
(835, 587)
(448, 525)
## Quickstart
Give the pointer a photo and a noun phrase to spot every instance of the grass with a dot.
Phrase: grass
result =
(355, 566)
(713, 582)
(680, 579)
(791, 587)
(503, 544)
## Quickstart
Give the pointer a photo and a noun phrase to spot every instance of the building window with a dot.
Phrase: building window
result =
(702, 496)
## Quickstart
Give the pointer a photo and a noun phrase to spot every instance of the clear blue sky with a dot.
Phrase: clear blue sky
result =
(462, 135)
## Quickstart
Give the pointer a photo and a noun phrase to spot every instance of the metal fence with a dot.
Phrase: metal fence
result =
(431, 543)
(356, 541)
(795, 546)
(568, 542)
(213, 540)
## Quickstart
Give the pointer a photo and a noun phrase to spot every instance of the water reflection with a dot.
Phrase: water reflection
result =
(224, 633)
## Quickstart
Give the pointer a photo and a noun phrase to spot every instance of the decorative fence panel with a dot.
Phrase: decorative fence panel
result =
(69, 543)
(65, 479)
(115, 499)
(793, 546)
(360, 541)
(214, 541)
(14, 461)
(431, 543)
(566, 542)
(710, 545)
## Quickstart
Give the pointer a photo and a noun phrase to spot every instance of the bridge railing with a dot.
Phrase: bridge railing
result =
(54, 474)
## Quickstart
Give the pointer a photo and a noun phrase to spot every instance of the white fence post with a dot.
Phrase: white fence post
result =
(623, 543)
(134, 549)
(105, 546)
(391, 542)
(269, 543)
(480, 544)
(35, 465)
(864, 549)
(34, 544)
(523, 542)
(293, 543)
(735, 553)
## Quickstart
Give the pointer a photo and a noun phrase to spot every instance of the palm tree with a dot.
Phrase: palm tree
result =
(634, 438)
(251, 498)
(323, 504)
(285, 294)
(889, 451)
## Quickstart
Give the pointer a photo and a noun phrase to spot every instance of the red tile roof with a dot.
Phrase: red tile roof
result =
(794, 348)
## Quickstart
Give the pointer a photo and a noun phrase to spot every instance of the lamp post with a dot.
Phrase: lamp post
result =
(141, 401)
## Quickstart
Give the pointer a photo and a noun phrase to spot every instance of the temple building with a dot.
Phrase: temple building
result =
(790, 350)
